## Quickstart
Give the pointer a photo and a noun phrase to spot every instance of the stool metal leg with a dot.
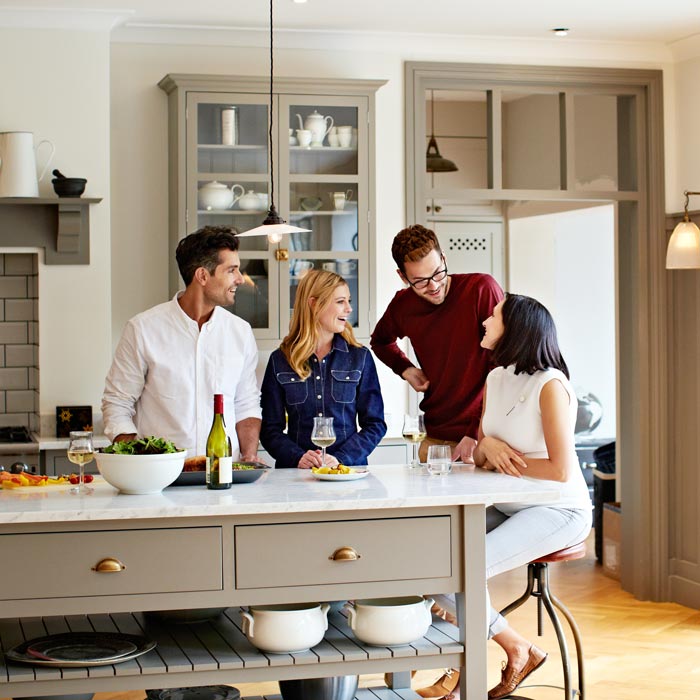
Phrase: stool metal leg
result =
(525, 596)
(577, 639)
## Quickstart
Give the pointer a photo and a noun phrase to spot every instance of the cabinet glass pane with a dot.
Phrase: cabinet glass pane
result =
(252, 297)
(329, 210)
(322, 140)
(347, 269)
(531, 141)
(232, 138)
(604, 135)
(458, 119)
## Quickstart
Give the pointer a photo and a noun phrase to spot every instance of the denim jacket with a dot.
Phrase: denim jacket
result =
(343, 385)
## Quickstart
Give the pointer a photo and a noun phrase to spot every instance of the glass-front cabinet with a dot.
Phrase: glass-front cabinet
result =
(323, 152)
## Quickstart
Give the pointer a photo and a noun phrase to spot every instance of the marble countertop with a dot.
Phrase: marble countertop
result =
(278, 491)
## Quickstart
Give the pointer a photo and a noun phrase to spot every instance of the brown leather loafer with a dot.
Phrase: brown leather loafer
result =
(511, 678)
(443, 686)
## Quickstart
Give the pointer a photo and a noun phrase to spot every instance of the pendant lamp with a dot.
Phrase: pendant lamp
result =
(274, 226)
(683, 251)
(434, 162)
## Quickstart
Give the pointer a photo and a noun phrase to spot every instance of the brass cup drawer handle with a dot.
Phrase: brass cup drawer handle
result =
(345, 554)
(110, 565)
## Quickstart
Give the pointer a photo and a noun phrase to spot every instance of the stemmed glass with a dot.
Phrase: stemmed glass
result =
(323, 435)
(414, 432)
(81, 452)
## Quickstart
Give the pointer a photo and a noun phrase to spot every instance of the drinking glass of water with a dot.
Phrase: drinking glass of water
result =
(439, 460)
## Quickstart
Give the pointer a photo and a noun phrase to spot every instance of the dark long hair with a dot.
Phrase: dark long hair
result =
(529, 339)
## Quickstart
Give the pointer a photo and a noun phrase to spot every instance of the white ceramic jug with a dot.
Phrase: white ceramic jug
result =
(18, 170)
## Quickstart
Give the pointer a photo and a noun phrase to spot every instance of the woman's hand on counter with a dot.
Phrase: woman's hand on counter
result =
(501, 457)
(312, 458)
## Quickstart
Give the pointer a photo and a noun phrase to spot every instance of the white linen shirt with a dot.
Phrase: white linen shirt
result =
(166, 371)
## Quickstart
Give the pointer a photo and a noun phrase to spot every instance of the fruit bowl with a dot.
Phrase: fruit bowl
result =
(140, 474)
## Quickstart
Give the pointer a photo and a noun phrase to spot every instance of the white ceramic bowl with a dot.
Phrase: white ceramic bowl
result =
(140, 474)
(285, 629)
(388, 622)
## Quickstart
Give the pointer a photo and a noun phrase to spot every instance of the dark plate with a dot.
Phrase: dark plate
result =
(240, 476)
(80, 649)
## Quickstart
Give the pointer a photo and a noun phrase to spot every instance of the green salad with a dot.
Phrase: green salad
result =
(142, 446)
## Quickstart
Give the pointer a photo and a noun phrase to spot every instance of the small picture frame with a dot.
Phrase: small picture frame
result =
(72, 418)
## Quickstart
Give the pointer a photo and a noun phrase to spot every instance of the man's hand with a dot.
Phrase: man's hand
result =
(312, 458)
(464, 450)
(125, 437)
(416, 378)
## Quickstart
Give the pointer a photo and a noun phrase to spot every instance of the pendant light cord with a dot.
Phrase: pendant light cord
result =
(272, 157)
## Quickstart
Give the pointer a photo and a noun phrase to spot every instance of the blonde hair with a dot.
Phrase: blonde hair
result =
(299, 344)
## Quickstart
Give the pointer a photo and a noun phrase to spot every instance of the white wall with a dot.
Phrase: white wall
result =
(566, 260)
(686, 127)
(56, 84)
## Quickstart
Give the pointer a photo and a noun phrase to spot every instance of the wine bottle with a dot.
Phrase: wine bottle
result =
(219, 456)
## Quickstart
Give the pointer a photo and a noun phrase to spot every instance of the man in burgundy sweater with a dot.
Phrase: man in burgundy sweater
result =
(441, 314)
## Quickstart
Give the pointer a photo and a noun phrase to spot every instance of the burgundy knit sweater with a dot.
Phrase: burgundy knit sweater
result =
(445, 338)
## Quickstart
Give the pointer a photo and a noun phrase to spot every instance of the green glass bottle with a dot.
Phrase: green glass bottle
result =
(219, 455)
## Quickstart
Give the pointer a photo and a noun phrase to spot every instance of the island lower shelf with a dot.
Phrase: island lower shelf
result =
(211, 652)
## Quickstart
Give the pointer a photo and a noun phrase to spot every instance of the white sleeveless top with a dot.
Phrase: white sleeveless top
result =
(512, 414)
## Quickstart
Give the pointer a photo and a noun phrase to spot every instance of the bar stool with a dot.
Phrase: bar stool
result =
(538, 587)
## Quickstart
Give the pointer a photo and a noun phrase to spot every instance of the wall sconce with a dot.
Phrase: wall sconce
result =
(683, 251)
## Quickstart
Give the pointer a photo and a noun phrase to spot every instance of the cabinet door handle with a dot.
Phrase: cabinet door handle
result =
(345, 554)
(110, 565)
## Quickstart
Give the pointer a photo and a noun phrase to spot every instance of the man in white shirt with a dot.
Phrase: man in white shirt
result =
(173, 358)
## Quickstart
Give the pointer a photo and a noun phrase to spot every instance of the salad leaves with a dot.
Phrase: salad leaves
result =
(142, 446)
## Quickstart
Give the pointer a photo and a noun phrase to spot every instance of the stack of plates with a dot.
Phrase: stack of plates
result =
(80, 649)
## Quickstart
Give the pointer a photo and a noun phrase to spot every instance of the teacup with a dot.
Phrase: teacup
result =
(329, 266)
(304, 137)
(345, 140)
(333, 140)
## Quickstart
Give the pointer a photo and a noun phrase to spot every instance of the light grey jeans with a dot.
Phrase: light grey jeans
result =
(516, 539)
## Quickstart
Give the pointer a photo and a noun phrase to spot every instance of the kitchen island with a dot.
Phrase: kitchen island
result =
(97, 561)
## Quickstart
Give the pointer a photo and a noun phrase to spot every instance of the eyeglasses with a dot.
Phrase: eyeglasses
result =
(423, 282)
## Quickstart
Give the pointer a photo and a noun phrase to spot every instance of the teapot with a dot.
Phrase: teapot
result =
(216, 195)
(318, 125)
(250, 201)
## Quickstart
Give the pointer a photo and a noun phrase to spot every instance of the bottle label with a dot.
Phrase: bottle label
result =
(225, 470)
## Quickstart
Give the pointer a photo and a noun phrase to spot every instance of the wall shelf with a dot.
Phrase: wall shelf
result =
(60, 225)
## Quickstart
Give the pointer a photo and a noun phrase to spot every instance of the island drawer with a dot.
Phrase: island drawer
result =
(156, 560)
(302, 553)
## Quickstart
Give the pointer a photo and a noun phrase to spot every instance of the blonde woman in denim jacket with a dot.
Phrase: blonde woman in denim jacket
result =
(321, 370)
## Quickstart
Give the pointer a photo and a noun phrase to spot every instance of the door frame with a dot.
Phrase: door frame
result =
(644, 430)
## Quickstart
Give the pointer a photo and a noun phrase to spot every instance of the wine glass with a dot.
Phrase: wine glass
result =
(323, 435)
(414, 432)
(81, 452)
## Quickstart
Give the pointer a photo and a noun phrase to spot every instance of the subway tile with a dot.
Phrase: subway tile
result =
(2, 355)
(33, 378)
(13, 287)
(34, 422)
(2, 309)
(19, 310)
(14, 378)
(11, 419)
(2, 402)
(19, 264)
(2, 264)
(19, 401)
(13, 332)
(19, 355)
(33, 287)
(35, 264)
(35, 302)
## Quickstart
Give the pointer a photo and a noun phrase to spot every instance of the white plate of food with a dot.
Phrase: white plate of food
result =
(347, 474)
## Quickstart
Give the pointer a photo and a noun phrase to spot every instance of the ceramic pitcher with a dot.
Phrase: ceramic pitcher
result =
(18, 169)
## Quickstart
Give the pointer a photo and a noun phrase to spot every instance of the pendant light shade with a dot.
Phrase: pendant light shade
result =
(434, 162)
(683, 251)
(274, 226)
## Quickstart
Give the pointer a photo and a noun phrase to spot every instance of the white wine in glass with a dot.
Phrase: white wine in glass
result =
(323, 435)
(414, 433)
(80, 452)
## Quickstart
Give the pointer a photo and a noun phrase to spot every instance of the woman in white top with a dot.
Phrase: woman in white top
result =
(527, 432)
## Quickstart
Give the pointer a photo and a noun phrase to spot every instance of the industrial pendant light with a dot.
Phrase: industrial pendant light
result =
(274, 226)
(434, 162)
(683, 251)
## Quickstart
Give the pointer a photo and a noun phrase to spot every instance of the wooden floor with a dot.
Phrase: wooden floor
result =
(633, 649)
